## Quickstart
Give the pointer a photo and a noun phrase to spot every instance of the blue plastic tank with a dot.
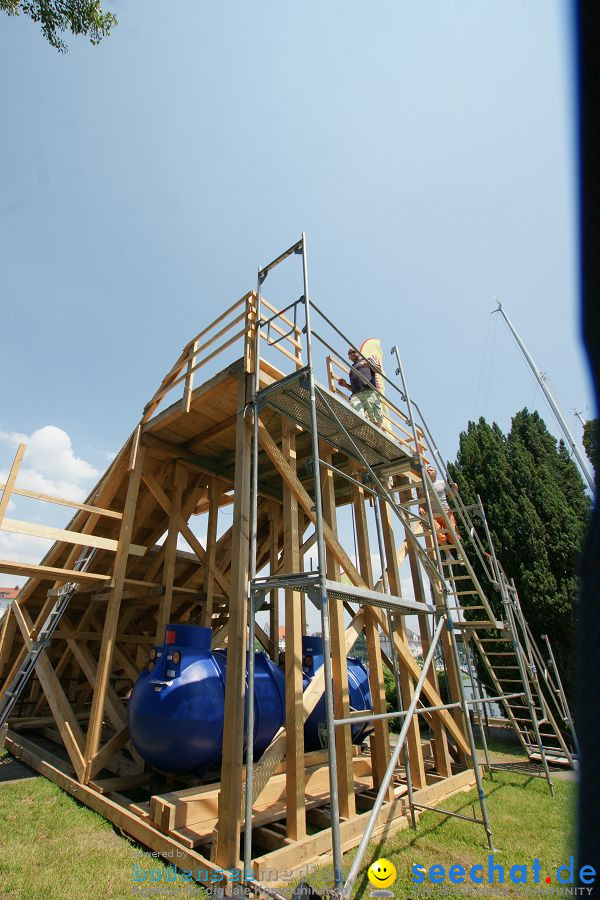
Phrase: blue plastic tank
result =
(175, 712)
(315, 727)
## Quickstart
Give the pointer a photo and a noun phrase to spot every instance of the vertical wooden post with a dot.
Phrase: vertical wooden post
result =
(273, 563)
(294, 777)
(227, 849)
(164, 610)
(189, 378)
(417, 765)
(251, 324)
(112, 613)
(339, 666)
(214, 493)
(380, 743)
(439, 741)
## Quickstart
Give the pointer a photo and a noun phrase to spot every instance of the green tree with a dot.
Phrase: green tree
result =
(537, 509)
(58, 16)
(591, 445)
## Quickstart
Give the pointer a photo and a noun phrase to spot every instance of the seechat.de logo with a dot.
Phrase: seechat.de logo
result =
(494, 873)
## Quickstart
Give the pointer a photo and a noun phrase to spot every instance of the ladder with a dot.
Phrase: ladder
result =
(63, 598)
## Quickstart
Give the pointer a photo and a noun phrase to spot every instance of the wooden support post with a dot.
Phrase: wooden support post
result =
(406, 683)
(339, 666)
(214, 493)
(380, 744)
(295, 811)
(443, 762)
(112, 613)
(273, 564)
(164, 611)
(227, 850)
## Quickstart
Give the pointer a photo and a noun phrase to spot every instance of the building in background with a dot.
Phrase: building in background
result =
(7, 595)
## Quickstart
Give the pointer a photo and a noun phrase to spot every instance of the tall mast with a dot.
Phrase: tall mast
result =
(553, 404)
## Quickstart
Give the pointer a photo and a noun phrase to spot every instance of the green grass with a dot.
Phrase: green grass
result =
(53, 848)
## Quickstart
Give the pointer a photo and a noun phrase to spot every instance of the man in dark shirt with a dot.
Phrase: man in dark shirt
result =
(364, 398)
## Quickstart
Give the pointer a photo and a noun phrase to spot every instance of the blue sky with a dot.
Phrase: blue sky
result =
(428, 150)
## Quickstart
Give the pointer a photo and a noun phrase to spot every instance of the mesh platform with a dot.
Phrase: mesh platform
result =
(336, 590)
(290, 397)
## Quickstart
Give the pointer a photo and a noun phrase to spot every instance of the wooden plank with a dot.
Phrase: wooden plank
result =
(295, 783)
(16, 526)
(227, 849)
(112, 613)
(10, 481)
(317, 847)
(164, 610)
(201, 806)
(60, 501)
(339, 666)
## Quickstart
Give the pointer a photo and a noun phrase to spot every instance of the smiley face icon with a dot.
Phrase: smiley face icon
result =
(382, 873)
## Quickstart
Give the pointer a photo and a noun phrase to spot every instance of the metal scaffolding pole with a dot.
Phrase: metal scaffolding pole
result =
(324, 601)
(553, 404)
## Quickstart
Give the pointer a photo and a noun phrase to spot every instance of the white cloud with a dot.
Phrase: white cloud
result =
(50, 465)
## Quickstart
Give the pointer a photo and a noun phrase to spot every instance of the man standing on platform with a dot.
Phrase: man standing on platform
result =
(364, 397)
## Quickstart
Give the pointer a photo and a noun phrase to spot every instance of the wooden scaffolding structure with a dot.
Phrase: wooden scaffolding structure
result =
(191, 462)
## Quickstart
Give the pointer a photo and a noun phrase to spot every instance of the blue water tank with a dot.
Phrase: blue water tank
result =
(315, 727)
(175, 712)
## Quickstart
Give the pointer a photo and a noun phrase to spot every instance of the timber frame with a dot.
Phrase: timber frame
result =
(191, 463)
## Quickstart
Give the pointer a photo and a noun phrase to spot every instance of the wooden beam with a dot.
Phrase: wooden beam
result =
(295, 812)
(293, 483)
(112, 614)
(227, 849)
(49, 533)
(380, 742)
(164, 610)
(214, 495)
(273, 564)
(110, 749)
(10, 481)
(184, 528)
(61, 501)
(339, 666)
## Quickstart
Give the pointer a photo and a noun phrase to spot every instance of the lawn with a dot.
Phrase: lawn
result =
(52, 848)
